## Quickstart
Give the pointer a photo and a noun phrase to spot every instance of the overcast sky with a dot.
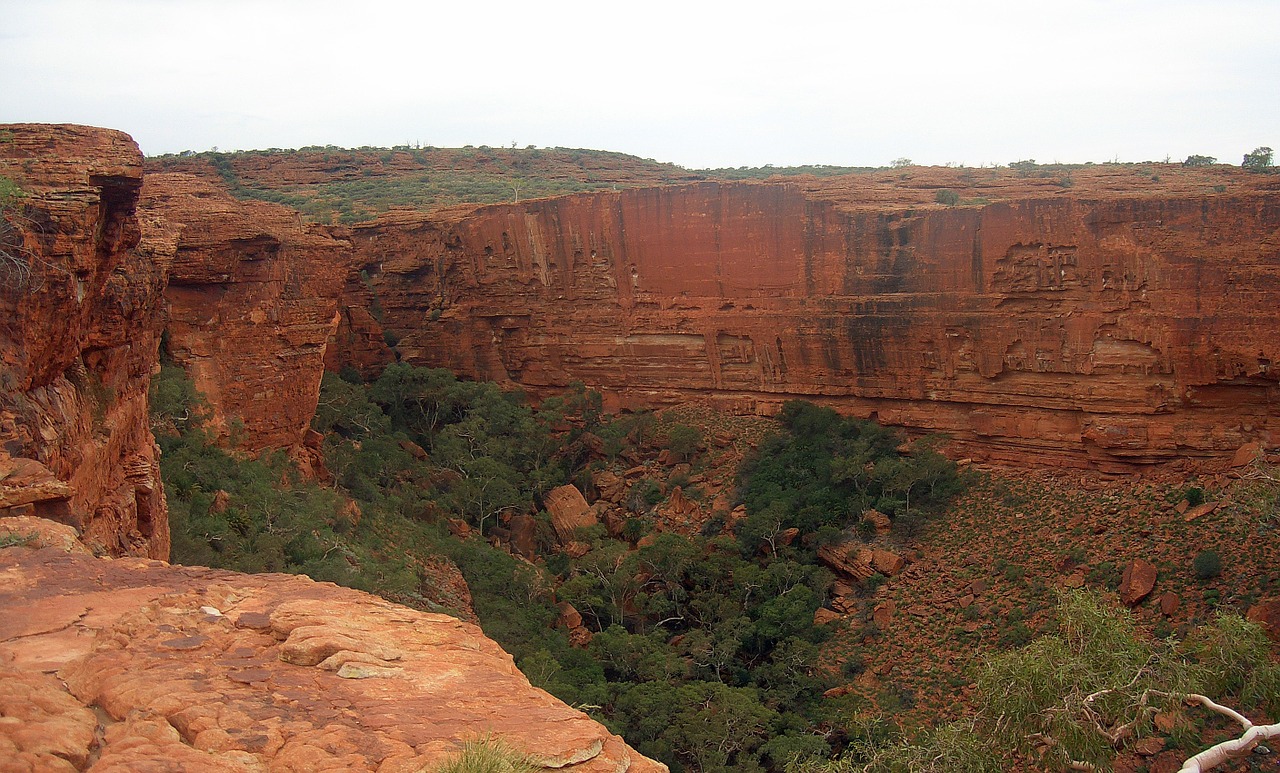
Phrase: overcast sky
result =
(695, 83)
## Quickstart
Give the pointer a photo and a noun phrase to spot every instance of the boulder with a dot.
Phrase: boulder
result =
(523, 531)
(887, 562)
(569, 511)
(1267, 614)
(823, 616)
(1138, 580)
(850, 559)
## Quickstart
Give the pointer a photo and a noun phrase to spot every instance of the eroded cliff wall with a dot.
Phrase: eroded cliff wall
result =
(1095, 327)
(252, 303)
(80, 299)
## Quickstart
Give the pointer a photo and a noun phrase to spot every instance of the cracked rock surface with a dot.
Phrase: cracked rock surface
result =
(133, 664)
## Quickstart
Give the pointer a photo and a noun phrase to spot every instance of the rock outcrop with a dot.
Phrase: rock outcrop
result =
(252, 303)
(132, 664)
(1111, 323)
(80, 302)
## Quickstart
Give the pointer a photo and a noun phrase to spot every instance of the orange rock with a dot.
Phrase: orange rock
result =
(822, 616)
(252, 304)
(42, 533)
(882, 615)
(1138, 580)
(878, 520)
(887, 562)
(657, 295)
(1169, 602)
(318, 676)
(569, 511)
(851, 559)
(79, 329)
(1247, 454)
(1199, 511)
(1267, 614)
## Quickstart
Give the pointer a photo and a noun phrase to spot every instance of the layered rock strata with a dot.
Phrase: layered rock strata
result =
(80, 302)
(133, 664)
(1107, 327)
(252, 303)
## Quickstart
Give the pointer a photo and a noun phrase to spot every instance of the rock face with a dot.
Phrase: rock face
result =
(252, 303)
(1103, 325)
(80, 301)
(144, 666)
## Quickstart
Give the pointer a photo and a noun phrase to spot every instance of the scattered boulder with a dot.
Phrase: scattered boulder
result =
(1169, 602)
(887, 562)
(611, 487)
(1199, 511)
(878, 520)
(221, 501)
(850, 559)
(823, 616)
(414, 450)
(1267, 614)
(678, 505)
(523, 530)
(568, 617)
(882, 615)
(1246, 454)
(1137, 582)
(569, 511)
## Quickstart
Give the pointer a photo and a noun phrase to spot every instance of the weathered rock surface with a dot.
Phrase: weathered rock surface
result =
(252, 303)
(1137, 582)
(1113, 323)
(569, 511)
(80, 301)
(144, 666)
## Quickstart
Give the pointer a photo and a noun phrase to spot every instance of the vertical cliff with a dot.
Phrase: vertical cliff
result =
(252, 303)
(1107, 326)
(80, 298)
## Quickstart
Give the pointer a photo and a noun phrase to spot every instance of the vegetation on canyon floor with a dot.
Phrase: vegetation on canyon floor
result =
(702, 647)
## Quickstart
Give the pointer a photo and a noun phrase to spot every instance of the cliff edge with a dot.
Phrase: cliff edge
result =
(80, 303)
(129, 664)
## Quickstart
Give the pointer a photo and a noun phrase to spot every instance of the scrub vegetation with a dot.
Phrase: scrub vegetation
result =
(701, 644)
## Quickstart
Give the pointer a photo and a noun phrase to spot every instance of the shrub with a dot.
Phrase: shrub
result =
(1258, 160)
(947, 196)
(487, 755)
(683, 441)
(1207, 564)
(1194, 160)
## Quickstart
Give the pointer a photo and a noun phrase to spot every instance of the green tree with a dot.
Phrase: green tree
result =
(1258, 160)
(683, 441)
(1194, 160)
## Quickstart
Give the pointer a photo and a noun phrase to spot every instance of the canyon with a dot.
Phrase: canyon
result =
(1105, 325)
(113, 659)
(1109, 318)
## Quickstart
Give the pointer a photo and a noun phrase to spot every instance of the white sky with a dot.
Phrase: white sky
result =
(695, 83)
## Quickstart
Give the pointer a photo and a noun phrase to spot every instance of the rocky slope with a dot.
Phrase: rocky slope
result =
(252, 302)
(80, 301)
(1105, 320)
(133, 664)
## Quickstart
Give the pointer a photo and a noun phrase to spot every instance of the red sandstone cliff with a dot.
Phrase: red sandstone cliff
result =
(133, 665)
(79, 326)
(252, 302)
(1110, 323)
